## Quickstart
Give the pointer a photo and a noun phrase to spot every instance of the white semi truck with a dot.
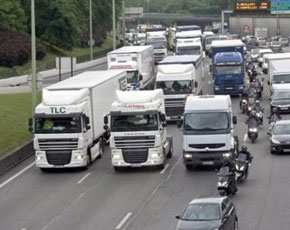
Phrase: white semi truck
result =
(138, 61)
(68, 123)
(208, 126)
(188, 47)
(158, 40)
(138, 130)
(179, 77)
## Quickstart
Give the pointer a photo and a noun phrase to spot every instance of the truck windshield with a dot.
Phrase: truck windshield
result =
(175, 87)
(188, 50)
(280, 79)
(58, 125)
(132, 77)
(140, 122)
(228, 69)
(157, 45)
(206, 121)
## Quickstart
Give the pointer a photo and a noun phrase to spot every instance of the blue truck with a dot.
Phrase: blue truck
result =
(228, 68)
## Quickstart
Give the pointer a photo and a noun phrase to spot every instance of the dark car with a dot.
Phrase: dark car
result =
(209, 214)
(280, 137)
(280, 98)
(252, 41)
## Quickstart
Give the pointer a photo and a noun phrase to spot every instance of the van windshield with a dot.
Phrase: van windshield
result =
(284, 78)
(58, 124)
(175, 87)
(138, 122)
(206, 121)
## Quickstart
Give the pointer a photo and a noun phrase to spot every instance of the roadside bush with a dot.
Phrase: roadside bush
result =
(15, 48)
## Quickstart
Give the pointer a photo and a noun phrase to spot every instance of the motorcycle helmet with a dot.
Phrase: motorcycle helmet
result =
(253, 113)
(275, 110)
(244, 148)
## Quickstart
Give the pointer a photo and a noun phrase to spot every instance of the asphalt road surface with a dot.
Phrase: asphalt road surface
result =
(144, 199)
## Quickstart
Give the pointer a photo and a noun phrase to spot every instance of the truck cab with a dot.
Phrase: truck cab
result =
(138, 130)
(208, 126)
(159, 43)
(188, 47)
(179, 77)
(228, 68)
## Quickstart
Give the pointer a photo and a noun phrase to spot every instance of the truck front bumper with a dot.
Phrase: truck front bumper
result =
(232, 90)
(68, 159)
(153, 157)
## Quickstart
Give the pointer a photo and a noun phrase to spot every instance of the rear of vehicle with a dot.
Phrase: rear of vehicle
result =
(280, 137)
(280, 98)
(276, 45)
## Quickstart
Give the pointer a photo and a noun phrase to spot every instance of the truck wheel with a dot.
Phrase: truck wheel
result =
(101, 148)
(170, 153)
(89, 159)
(118, 169)
(189, 167)
(44, 170)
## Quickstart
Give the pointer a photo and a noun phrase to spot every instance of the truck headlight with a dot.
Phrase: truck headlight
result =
(79, 156)
(39, 158)
(116, 156)
(187, 155)
(274, 141)
(241, 87)
(154, 155)
(217, 88)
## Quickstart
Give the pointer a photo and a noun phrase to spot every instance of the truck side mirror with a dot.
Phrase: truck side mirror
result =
(195, 84)
(234, 120)
(164, 124)
(30, 124)
(162, 117)
(106, 120)
(140, 77)
(106, 127)
(268, 82)
(179, 123)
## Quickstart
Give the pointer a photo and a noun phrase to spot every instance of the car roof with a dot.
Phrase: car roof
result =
(218, 200)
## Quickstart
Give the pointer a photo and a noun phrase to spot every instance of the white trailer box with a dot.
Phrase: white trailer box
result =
(178, 77)
(69, 124)
(138, 130)
(279, 72)
(275, 56)
(138, 61)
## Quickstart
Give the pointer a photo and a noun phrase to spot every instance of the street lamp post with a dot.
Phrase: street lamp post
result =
(33, 60)
(114, 24)
(91, 30)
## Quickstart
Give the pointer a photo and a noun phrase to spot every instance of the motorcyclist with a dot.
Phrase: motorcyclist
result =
(244, 150)
(252, 116)
(258, 109)
(274, 116)
(232, 169)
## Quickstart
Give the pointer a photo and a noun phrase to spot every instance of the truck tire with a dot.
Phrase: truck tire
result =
(170, 153)
(44, 170)
(89, 160)
(101, 148)
(118, 169)
(189, 167)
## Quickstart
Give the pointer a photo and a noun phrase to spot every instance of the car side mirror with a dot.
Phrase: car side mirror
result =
(177, 217)
(234, 120)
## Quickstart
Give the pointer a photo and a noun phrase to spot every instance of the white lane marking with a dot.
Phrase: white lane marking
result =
(59, 215)
(16, 175)
(124, 220)
(163, 170)
(245, 137)
(209, 82)
(85, 177)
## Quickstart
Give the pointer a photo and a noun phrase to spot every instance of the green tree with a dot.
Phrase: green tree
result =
(12, 15)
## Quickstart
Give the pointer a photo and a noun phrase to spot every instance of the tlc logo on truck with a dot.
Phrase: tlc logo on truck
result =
(57, 110)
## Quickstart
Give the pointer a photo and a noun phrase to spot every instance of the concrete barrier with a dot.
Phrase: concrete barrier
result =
(16, 156)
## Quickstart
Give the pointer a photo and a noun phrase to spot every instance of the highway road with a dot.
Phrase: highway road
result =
(144, 199)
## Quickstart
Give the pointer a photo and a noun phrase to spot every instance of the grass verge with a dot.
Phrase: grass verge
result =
(15, 111)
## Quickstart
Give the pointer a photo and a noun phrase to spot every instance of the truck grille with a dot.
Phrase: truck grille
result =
(174, 107)
(58, 157)
(135, 142)
(135, 156)
(229, 82)
(58, 144)
(203, 146)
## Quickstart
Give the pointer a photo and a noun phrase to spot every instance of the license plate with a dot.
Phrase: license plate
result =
(286, 150)
(229, 88)
(284, 108)
(207, 162)
(58, 166)
(136, 165)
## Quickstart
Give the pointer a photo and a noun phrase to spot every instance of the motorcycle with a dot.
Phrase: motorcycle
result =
(225, 184)
(253, 129)
(244, 105)
(242, 166)
(259, 116)
(272, 120)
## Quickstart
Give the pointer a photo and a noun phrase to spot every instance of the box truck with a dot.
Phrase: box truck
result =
(208, 126)
(179, 77)
(68, 123)
(279, 72)
(138, 61)
(138, 130)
